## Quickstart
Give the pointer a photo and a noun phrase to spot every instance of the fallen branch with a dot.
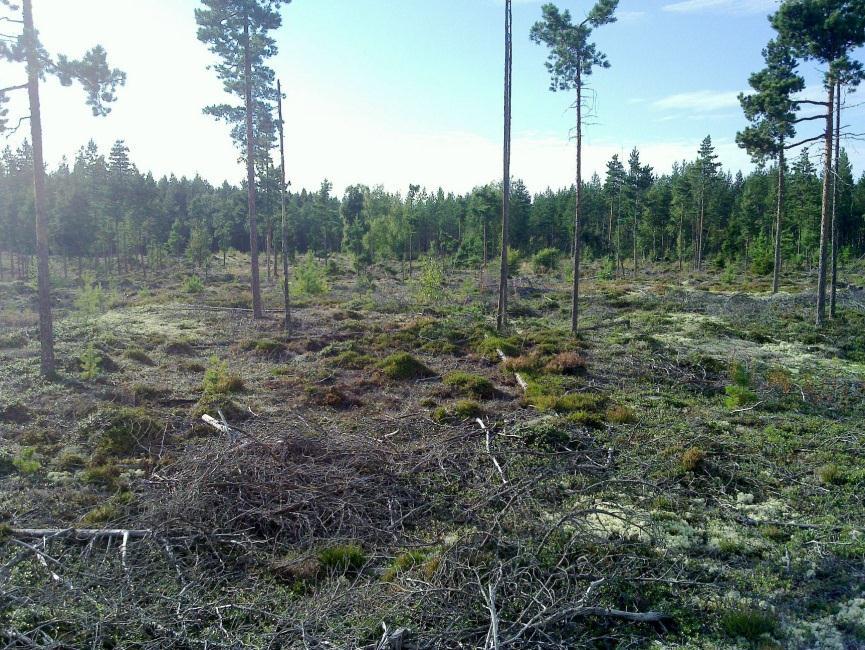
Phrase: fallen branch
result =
(85, 534)
(490, 449)
(522, 382)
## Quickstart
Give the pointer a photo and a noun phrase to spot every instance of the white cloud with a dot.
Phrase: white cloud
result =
(702, 101)
(722, 6)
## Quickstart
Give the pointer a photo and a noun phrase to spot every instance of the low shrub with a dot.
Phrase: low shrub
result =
(546, 260)
(193, 284)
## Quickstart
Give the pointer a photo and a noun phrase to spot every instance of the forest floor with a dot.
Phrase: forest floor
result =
(687, 473)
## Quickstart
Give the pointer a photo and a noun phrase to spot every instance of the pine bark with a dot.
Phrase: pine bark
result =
(46, 324)
(285, 290)
(776, 273)
(833, 290)
(250, 174)
(826, 217)
(575, 297)
(501, 321)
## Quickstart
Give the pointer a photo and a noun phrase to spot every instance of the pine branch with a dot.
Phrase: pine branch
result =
(11, 88)
(807, 140)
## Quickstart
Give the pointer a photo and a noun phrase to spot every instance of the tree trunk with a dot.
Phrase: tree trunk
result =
(502, 317)
(834, 281)
(636, 224)
(46, 326)
(776, 273)
(826, 217)
(286, 297)
(250, 174)
(575, 297)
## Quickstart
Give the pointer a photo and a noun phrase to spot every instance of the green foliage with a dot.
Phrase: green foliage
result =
(608, 268)
(471, 385)
(218, 380)
(738, 396)
(27, 461)
(747, 624)
(91, 300)
(403, 366)
(193, 284)
(309, 278)
(90, 363)
(345, 558)
(352, 360)
(546, 260)
(762, 256)
(431, 284)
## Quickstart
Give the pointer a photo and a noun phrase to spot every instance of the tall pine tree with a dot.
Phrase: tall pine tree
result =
(238, 33)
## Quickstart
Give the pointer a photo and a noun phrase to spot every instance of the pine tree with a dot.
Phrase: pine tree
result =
(237, 31)
(707, 166)
(826, 31)
(502, 316)
(571, 60)
(99, 82)
(772, 113)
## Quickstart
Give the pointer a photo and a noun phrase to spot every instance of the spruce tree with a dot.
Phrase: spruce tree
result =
(238, 33)
(571, 60)
(99, 82)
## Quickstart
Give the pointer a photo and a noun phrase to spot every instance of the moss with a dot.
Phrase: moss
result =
(693, 459)
(102, 474)
(471, 385)
(26, 461)
(139, 355)
(489, 347)
(148, 393)
(586, 419)
(344, 558)
(352, 360)
(403, 366)
(264, 347)
(466, 408)
(105, 512)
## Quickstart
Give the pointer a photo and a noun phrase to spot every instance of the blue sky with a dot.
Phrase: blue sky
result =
(408, 91)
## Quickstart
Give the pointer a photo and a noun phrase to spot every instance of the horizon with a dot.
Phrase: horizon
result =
(389, 118)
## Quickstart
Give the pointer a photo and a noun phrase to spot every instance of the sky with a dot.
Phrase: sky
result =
(395, 92)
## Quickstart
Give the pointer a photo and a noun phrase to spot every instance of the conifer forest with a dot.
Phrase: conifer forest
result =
(625, 412)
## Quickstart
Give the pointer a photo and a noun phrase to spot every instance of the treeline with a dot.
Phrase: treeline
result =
(103, 211)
